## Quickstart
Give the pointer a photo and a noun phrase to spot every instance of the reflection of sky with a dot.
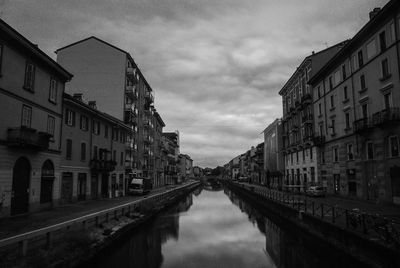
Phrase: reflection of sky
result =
(215, 233)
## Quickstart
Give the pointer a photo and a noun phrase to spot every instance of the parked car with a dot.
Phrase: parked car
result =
(316, 191)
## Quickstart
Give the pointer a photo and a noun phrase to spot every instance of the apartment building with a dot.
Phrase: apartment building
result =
(299, 141)
(171, 153)
(31, 89)
(110, 75)
(159, 160)
(185, 167)
(93, 152)
(274, 165)
(256, 163)
(356, 106)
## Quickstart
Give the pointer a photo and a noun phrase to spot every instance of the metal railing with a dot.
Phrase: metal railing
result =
(376, 227)
(46, 235)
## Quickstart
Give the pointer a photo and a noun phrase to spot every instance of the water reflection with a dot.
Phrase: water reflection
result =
(206, 230)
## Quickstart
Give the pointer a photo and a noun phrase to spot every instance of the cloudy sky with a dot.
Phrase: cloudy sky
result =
(216, 66)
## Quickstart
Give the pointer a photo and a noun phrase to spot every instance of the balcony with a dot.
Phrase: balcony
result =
(308, 119)
(318, 140)
(363, 124)
(28, 138)
(131, 92)
(101, 166)
(306, 99)
(386, 116)
(131, 72)
(148, 96)
(148, 124)
(130, 118)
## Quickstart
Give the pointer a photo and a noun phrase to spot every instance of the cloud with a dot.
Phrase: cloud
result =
(215, 66)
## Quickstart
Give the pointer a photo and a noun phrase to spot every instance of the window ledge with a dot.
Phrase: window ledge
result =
(332, 109)
(347, 129)
(346, 100)
(384, 78)
(52, 101)
(28, 89)
(320, 115)
(363, 90)
(333, 134)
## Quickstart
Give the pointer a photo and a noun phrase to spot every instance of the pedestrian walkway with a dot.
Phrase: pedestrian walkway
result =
(24, 223)
(387, 210)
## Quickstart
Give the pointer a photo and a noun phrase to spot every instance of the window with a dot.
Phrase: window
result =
(371, 49)
(297, 157)
(1, 56)
(323, 157)
(335, 154)
(95, 152)
(385, 68)
(382, 41)
(84, 123)
(344, 75)
(345, 94)
(70, 118)
(362, 83)
(121, 160)
(53, 90)
(333, 127)
(347, 117)
(392, 32)
(26, 116)
(29, 76)
(311, 153)
(332, 102)
(394, 146)
(321, 129)
(114, 155)
(360, 58)
(337, 77)
(330, 83)
(350, 154)
(388, 100)
(304, 155)
(50, 125)
(319, 109)
(69, 149)
(319, 91)
(83, 151)
(364, 110)
(370, 150)
(291, 159)
(96, 127)
(105, 131)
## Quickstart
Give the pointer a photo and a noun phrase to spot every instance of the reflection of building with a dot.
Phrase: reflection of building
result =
(93, 153)
(273, 157)
(357, 107)
(31, 89)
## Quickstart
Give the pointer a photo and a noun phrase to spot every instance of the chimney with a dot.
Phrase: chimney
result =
(374, 12)
(78, 96)
(92, 104)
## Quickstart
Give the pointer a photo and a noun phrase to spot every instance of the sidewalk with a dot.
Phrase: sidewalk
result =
(24, 223)
(387, 210)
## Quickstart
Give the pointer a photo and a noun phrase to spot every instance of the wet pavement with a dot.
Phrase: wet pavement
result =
(215, 228)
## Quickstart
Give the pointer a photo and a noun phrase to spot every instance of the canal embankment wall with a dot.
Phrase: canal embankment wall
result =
(364, 248)
(103, 227)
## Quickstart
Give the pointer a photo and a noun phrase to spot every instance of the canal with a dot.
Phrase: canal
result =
(215, 228)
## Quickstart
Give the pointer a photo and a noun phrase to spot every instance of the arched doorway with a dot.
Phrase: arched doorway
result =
(20, 186)
(46, 184)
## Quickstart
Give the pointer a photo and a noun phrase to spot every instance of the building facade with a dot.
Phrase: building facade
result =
(93, 152)
(356, 106)
(274, 165)
(31, 89)
(185, 167)
(171, 153)
(299, 141)
(110, 75)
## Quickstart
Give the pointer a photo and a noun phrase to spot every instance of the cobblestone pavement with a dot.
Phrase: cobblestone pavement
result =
(24, 223)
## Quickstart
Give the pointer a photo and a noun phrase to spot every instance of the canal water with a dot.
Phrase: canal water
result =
(215, 228)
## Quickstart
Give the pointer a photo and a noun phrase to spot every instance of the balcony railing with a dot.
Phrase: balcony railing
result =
(28, 137)
(131, 92)
(130, 71)
(318, 140)
(378, 119)
(149, 96)
(306, 98)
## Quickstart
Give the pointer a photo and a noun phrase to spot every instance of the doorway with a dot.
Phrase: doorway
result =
(66, 187)
(82, 186)
(20, 186)
(46, 183)
(104, 185)
(395, 178)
